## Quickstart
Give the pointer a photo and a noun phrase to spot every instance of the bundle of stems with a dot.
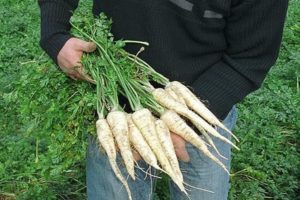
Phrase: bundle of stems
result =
(155, 112)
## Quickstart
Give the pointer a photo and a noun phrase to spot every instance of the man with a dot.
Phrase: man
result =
(222, 48)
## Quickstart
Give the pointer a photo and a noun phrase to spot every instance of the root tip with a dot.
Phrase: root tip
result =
(236, 147)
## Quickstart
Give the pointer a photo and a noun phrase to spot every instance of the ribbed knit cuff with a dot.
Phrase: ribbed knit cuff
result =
(53, 45)
(55, 25)
(219, 86)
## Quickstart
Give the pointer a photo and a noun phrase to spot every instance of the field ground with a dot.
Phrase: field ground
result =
(39, 161)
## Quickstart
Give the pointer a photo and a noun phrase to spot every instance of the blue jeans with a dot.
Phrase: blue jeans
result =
(200, 172)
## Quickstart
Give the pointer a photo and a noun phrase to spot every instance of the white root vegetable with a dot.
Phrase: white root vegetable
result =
(199, 128)
(195, 104)
(166, 100)
(172, 93)
(144, 120)
(202, 124)
(106, 140)
(178, 126)
(139, 143)
(167, 144)
(118, 123)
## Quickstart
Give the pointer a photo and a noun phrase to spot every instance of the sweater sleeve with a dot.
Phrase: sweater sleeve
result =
(55, 25)
(253, 34)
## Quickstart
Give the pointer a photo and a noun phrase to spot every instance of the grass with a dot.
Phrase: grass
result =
(40, 161)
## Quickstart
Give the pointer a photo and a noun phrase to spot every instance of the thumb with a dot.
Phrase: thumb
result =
(86, 46)
(179, 146)
(182, 154)
(136, 155)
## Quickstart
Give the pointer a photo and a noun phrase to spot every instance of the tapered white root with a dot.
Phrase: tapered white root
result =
(197, 188)
(163, 98)
(106, 140)
(118, 123)
(144, 120)
(139, 143)
(178, 126)
(202, 124)
(167, 144)
(195, 104)
(172, 93)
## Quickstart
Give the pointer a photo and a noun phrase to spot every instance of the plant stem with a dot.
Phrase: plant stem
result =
(136, 42)
(157, 76)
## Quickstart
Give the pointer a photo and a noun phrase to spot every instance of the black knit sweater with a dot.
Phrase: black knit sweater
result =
(222, 48)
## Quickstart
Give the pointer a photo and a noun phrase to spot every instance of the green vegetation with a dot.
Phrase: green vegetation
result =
(40, 161)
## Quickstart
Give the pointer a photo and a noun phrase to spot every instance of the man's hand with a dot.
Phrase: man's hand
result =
(179, 146)
(69, 58)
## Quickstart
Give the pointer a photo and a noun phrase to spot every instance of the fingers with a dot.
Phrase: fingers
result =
(74, 77)
(69, 58)
(78, 73)
(85, 46)
(179, 146)
(83, 75)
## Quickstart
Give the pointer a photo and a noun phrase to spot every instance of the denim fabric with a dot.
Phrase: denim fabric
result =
(200, 172)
